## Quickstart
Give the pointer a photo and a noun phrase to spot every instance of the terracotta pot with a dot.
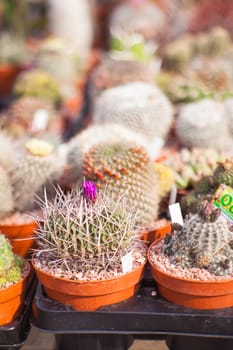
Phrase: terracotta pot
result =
(22, 237)
(11, 298)
(8, 74)
(153, 234)
(192, 293)
(90, 295)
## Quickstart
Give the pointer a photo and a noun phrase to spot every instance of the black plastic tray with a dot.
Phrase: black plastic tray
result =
(15, 333)
(143, 314)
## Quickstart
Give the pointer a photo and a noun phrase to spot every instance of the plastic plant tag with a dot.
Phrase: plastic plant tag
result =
(173, 195)
(127, 262)
(223, 199)
(40, 120)
(176, 214)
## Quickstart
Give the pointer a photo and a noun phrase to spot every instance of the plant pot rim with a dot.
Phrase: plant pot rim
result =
(86, 281)
(187, 280)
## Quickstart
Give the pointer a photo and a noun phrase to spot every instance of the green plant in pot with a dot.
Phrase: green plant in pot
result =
(14, 273)
(83, 241)
(194, 266)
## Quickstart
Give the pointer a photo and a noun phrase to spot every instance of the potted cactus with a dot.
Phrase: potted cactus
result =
(193, 266)
(83, 241)
(14, 275)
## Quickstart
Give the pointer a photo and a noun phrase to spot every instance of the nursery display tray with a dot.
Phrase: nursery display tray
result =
(143, 315)
(14, 334)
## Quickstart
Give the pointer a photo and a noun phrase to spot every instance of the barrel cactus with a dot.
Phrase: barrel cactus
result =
(10, 265)
(223, 173)
(123, 169)
(94, 134)
(84, 233)
(8, 149)
(204, 124)
(6, 195)
(36, 165)
(140, 106)
(205, 241)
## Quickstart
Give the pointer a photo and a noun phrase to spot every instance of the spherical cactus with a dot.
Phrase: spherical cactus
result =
(9, 150)
(23, 114)
(6, 195)
(165, 178)
(83, 141)
(123, 169)
(223, 174)
(11, 266)
(139, 106)
(204, 241)
(203, 124)
(37, 83)
(36, 166)
(111, 72)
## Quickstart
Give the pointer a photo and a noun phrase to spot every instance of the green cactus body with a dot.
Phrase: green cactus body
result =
(139, 106)
(204, 241)
(125, 170)
(6, 195)
(30, 173)
(96, 134)
(13, 274)
(77, 234)
(38, 83)
(203, 124)
(223, 174)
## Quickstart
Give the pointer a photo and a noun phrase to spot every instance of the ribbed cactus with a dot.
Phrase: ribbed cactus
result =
(166, 178)
(125, 169)
(223, 174)
(37, 83)
(10, 265)
(6, 195)
(20, 117)
(83, 141)
(37, 165)
(84, 232)
(204, 241)
(204, 124)
(140, 106)
(111, 72)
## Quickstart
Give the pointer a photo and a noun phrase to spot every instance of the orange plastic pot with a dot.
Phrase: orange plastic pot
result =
(153, 234)
(11, 298)
(192, 293)
(8, 74)
(91, 295)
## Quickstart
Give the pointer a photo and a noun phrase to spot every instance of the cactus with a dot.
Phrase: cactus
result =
(165, 178)
(19, 118)
(139, 106)
(223, 173)
(83, 141)
(204, 124)
(37, 165)
(12, 50)
(38, 83)
(8, 151)
(80, 233)
(111, 72)
(125, 169)
(189, 166)
(205, 241)
(10, 265)
(228, 104)
(6, 195)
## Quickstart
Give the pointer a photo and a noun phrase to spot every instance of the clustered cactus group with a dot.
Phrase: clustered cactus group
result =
(205, 241)
(11, 265)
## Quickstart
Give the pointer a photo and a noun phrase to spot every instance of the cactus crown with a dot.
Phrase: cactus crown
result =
(81, 231)
(208, 212)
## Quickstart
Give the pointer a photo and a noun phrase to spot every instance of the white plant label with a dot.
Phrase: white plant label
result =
(127, 262)
(40, 120)
(176, 214)
(173, 195)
